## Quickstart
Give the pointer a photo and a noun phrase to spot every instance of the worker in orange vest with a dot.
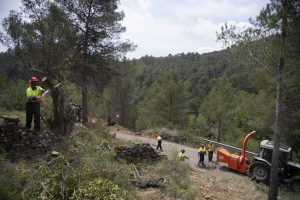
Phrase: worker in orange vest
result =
(201, 154)
(210, 149)
(34, 97)
(159, 141)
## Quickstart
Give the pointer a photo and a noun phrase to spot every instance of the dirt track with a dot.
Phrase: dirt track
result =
(170, 148)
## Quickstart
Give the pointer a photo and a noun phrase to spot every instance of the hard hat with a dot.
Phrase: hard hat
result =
(33, 79)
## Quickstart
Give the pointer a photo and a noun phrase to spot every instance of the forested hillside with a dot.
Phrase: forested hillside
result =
(76, 48)
(218, 94)
(221, 95)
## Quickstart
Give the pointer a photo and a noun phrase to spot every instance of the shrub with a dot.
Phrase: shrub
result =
(11, 181)
(99, 189)
(177, 182)
(13, 96)
(60, 179)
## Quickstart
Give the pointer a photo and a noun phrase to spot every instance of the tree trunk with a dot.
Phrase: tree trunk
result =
(84, 86)
(59, 121)
(84, 101)
(273, 188)
(219, 130)
(171, 109)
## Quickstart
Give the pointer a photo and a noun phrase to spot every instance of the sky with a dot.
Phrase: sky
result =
(163, 27)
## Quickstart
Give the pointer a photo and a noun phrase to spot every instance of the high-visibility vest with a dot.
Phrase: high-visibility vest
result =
(158, 138)
(202, 150)
(181, 155)
(37, 92)
(211, 147)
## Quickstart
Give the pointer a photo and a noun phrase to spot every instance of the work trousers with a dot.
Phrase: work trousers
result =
(159, 145)
(210, 156)
(201, 160)
(33, 110)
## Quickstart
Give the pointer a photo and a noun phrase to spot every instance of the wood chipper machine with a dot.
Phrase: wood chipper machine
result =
(235, 162)
(259, 168)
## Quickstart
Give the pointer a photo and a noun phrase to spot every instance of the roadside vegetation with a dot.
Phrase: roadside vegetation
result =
(221, 95)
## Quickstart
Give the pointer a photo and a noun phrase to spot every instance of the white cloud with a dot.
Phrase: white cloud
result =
(162, 27)
(144, 4)
(174, 26)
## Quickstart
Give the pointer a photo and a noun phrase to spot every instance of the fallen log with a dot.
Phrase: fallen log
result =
(145, 183)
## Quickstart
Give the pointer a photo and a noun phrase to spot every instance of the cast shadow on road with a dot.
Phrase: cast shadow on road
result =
(225, 169)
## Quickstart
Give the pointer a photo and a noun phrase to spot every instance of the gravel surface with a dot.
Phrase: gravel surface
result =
(170, 148)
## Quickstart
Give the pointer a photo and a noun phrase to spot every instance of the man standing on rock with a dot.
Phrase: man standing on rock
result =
(34, 97)
(159, 140)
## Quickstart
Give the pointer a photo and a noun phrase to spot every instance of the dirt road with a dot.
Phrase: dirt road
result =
(170, 148)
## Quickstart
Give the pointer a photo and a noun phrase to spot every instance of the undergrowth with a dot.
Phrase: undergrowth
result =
(87, 169)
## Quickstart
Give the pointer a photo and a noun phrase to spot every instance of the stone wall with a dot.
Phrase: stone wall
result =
(16, 140)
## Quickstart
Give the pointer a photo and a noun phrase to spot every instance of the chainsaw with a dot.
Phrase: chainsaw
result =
(47, 92)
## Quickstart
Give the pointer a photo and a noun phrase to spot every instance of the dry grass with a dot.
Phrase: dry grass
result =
(194, 184)
(225, 188)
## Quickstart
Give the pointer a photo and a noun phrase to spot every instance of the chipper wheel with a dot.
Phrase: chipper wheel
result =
(260, 171)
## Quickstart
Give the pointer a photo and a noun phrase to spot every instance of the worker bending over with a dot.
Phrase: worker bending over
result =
(34, 97)
(210, 149)
(181, 155)
(201, 154)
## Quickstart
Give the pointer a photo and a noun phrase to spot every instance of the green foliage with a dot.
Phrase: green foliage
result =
(178, 184)
(95, 144)
(13, 95)
(52, 181)
(217, 104)
(99, 189)
(86, 171)
(61, 180)
(165, 103)
(12, 179)
(192, 123)
(119, 96)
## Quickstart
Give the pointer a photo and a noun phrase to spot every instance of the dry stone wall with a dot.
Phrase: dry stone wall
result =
(17, 141)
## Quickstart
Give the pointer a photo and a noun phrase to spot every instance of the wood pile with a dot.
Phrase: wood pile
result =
(17, 140)
(137, 153)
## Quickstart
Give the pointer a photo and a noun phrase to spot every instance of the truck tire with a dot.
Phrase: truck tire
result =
(295, 184)
(260, 171)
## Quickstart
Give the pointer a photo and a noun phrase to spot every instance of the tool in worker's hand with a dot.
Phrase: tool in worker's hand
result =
(47, 92)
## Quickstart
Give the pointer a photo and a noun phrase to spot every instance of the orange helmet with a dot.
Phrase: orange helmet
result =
(33, 79)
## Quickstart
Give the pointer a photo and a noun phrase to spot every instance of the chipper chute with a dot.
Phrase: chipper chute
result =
(235, 162)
